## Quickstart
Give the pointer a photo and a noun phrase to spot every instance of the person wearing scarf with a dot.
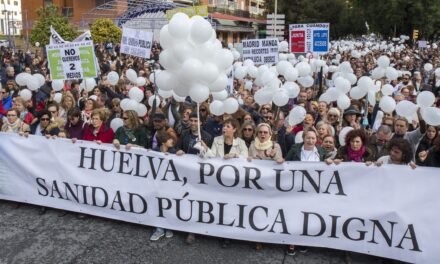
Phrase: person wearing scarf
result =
(263, 147)
(355, 149)
(13, 123)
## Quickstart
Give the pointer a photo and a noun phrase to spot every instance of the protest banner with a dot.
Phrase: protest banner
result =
(388, 211)
(312, 38)
(136, 42)
(261, 51)
(71, 61)
(297, 37)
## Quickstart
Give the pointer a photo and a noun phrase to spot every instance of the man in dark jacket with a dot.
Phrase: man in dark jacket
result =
(190, 137)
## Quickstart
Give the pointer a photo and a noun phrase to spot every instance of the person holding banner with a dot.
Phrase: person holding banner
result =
(131, 133)
(431, 157)
(263, 147)
(355, 149)
(400, 154)
(98, 131)
(13, 123)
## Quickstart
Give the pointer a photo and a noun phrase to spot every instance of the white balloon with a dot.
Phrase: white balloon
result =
(141, 81)
(199, 93)
(124, 103)
(90, 84)
(165, 38)
(178, 98)
(306, 81)
(21, 78)
(383, 62)
(216, 108)
(371, 96)
(299, 137)
(297, 115)
(387, 89)
(345, 67)
(223, 58)
(219, 84)
(41, 79)
(333, 94)
(153, 99)
(387, 104)
(391, 74)
(220, 96)
(282, 66)
(343, 102)
(179, 25)
(342, 84)
(406, 108)
(357, 93)
(253, 71)
(425, 99)
(248, 63)
(431, 115)
(116, 123)
(131, 75)
(230, 105)
(343, 134)
(240, 72)
(437, 72)
(57, 85)
(428, 67)
(280, 97)
(113, 77)
(162, 80)
(131, 105)
(32, 83)
(303, 69)
(167, 60)
(201, 29)
(192, 69)
(263, 96)
(291, 74)
(165, 94)
(365, 83)
(58, 97)
(378, 73)
(141, 110)
(26, 94)
(210, 72)
(292, 89)
(136, 94)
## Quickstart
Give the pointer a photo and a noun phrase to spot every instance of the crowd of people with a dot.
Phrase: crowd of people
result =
(253, 132)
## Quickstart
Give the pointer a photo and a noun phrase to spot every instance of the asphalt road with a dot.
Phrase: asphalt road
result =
(27, 237)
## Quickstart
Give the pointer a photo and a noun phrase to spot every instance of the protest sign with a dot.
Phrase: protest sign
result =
(309, 38)
(349, 207)
(136, 42)
(73, 60)
(297, 36)
(261, 51)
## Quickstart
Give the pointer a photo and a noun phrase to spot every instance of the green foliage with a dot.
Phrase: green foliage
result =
(47, 16)
(348, 17)
(104, 29)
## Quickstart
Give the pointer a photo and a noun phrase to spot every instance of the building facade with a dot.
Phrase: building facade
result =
(10, 17)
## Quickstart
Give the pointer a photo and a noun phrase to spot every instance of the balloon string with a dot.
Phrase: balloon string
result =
(198, 122)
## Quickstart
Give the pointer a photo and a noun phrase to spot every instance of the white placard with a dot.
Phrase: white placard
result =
(261, 51)
(136, 42)
(389, 211)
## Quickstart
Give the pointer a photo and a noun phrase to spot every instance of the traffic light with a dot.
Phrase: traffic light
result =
(415, 34)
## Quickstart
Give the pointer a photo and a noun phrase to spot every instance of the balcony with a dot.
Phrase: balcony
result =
(231, 10)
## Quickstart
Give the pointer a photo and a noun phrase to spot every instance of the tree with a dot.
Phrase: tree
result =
(50, 15)
(103, 29)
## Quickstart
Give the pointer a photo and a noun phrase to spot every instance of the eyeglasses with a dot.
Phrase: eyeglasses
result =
(115, 105)
(332, 116)
(11, 115)
(248, 129)
(265, 108)
(263, 132)
(44, 119)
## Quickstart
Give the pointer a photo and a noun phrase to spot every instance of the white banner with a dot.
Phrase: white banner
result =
(261, 51)
(136, 42)
(391, 211)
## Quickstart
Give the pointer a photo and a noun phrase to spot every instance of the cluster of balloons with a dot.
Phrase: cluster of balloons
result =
(195, 62)
(33, 82)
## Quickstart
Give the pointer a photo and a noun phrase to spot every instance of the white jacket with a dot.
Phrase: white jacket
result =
(218, 148)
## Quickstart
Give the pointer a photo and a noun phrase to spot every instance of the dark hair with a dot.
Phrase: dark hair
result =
(235, 124)
(75, 111)
(436, 143)
(44, 112)
(404, 146)
(355, 133)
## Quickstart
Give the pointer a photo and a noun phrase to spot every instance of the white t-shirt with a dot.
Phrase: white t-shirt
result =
(309, 155)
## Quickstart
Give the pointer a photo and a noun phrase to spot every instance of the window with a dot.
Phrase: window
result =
(16, 3)
(67, 11)
(47, 2)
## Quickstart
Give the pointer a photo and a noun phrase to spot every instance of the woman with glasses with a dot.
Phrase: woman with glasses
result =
(263, 147)
(116, 109)
(13, 123)
(98, 131)
(184, 124)
(132, 133)
(44, 126)
(248, 132)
